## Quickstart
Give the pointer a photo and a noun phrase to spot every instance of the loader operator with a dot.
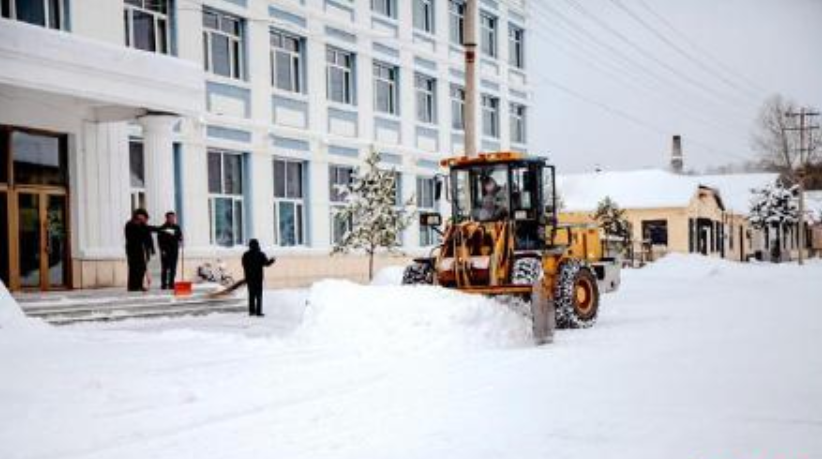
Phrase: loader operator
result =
(493, 205)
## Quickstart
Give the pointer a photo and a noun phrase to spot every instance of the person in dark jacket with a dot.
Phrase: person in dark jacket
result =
(254, 260)
(139, 249)
(169, 238)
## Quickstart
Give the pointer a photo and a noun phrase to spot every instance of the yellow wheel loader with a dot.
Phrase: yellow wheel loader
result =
(503, 239)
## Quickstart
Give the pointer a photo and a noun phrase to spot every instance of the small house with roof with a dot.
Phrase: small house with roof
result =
(671, 212)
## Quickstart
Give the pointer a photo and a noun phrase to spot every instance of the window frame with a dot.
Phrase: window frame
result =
(423, 16)
(385, 8)
(456, 22)
(457, 96)
(347, 72)
(490, 108)
(426, 186)
(335, 201)
(516, 46)
(389, 80)
(288, 199)
(295, 60)
(236, 42)
(158, 17)
(489, 34)
(425, 94)
(48, 20)
(137, 193)
(237, 199)
(518, 114)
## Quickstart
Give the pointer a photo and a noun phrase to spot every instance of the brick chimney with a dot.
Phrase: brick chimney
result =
(677, 161)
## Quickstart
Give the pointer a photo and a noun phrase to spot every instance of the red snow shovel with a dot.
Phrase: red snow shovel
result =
(183, 287)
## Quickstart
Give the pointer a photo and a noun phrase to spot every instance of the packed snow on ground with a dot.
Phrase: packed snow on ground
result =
(692, 358)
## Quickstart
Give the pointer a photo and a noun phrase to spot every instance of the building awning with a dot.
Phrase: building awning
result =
(112, 78)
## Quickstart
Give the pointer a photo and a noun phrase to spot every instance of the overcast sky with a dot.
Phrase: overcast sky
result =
(601, 100)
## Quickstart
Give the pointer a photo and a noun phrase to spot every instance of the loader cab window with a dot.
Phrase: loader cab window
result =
(481, 193)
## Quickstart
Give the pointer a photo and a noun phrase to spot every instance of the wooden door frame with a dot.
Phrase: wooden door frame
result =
(13, 191)
(44, 193)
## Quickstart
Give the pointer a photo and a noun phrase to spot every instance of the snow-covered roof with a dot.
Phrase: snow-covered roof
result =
(655, 188)
(735, 189)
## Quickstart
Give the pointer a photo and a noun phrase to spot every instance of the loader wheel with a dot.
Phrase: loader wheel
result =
(526, 271)
(418, 274)
(577, 296)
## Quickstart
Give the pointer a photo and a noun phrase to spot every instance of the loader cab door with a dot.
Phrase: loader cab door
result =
(527, 205)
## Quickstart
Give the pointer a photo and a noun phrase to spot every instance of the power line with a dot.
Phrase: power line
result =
(616, 73)
(684, 37)
(633, 119)
(647, 54)
(548, 13)
(662, 37)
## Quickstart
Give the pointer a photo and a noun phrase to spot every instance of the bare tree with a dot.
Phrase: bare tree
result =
(777, 145)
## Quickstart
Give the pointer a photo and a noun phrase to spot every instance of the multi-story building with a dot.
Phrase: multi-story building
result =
(241, 115)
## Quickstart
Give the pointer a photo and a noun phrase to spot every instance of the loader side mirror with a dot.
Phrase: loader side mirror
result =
(430, 219)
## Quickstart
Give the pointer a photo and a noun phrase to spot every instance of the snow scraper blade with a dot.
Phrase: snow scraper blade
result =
(227, 290)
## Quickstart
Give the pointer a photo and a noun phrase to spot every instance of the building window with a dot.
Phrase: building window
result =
(340, 75)
(45, 13)
(488, 34)
(424, 15)
(516, 46)
(137, 169)
(147, 25)
(655, 232)
(425, 88)
(457, 107)
(289, 202)
(385, 88)
(517, 123)
(426, 203)
(386, 8)
(286, 62)
(225, 197)
(456, 20)
(338, 177)
(223, 44)
(490, 116)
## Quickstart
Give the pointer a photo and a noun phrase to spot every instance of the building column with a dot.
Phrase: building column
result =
(158, 152)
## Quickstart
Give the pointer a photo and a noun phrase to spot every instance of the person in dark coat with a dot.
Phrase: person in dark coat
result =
(254, 260)
(139, 249)
(169, 238)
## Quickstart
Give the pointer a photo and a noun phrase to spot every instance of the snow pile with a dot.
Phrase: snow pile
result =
(407, 320)
(11, 316)
(689, 267)
(391, 275)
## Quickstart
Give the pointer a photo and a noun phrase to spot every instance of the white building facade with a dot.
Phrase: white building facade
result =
(240, 115)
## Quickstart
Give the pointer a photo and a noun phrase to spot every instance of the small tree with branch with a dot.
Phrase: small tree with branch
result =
(612, 220)
(774, 207)
(371, 206)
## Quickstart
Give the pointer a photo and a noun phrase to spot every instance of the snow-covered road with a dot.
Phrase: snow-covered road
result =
(692, 359)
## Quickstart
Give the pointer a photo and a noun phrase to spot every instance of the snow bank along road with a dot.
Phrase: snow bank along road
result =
(692, 359)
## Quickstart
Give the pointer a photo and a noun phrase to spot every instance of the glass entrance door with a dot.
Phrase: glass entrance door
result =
(42, 251)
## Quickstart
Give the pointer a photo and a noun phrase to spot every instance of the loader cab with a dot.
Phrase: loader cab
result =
(506, 188)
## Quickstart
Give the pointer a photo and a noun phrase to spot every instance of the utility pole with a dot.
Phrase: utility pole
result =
(805, 129)
(470, 43)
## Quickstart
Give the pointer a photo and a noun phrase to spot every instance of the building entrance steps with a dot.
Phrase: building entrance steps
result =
(67, 307)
